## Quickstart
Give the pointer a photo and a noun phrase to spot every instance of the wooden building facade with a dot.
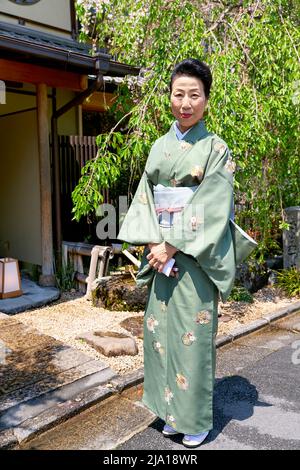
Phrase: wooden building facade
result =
(45, 76)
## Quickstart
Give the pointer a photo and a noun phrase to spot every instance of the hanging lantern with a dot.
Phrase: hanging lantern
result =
(10, 279)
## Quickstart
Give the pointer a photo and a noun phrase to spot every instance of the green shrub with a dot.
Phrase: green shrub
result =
(240, 294)
(289, 281)
(65, 278)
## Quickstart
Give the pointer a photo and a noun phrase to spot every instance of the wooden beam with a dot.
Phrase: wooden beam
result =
(29, 73)
(47, 277)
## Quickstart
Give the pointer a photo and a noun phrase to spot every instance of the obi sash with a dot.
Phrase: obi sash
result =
(169, 202)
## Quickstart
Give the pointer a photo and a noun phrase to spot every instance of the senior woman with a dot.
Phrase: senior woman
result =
(182, 212)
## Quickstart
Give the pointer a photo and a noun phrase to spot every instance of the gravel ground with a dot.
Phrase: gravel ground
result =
(73, 315)
(266, 301)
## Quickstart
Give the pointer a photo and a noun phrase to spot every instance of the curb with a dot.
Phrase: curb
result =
(257, 324)
(12, 438)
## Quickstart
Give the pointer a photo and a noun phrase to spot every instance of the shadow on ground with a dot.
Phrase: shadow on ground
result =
(234, 399)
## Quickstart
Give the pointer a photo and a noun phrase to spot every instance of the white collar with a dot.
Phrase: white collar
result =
(178, 132)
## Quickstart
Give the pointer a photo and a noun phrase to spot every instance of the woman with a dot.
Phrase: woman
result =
(182, 211)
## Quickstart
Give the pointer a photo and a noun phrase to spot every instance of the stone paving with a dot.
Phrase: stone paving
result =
(100, 427)
(33, 296)
(37, 372)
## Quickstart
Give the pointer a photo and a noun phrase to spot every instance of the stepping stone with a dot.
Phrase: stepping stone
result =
(110, 343)
(20, 337)
(135, 325)
(224, 318)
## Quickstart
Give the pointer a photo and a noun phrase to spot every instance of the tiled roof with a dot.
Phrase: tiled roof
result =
(45, 39)
(18, 42)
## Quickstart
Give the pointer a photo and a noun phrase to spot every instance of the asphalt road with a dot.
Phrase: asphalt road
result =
(257, 396)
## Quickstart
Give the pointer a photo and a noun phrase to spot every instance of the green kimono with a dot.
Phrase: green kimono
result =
(181, 315)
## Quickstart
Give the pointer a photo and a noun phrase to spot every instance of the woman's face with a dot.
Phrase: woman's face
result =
(188, 101)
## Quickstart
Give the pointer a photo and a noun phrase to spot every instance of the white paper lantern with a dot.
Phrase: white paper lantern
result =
(10, 279)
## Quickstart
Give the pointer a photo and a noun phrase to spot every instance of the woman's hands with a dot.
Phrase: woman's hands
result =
(160, 254)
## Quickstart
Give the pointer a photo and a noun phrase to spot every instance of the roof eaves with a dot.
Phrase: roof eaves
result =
(54, 54)
(71, 61)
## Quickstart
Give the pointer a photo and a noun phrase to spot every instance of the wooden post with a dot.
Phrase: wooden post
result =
(92, 271)
(47, 277)
(56, 191)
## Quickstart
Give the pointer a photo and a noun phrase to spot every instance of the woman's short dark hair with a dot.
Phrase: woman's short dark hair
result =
(194, 68)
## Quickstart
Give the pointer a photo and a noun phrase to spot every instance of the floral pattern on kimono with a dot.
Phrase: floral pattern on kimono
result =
(188, 338)
(171, 420)
(203, 318)
(152, 323)
(182, 382)
(158, 347)
(168, 395)
(181, 314)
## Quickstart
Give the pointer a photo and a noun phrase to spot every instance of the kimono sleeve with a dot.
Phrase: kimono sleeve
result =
(140, 225)
(203, 231)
